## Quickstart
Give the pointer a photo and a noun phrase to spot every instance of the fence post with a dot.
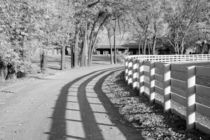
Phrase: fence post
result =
(130, 72)
(152, 82)
(126, 69)
(167, 86)
(190, 97)
(135, 74)
(141, 77)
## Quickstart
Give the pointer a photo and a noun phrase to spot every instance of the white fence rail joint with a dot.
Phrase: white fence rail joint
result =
(135, 74)
(152, 75)
(141, 78)
(167, 87)
(191, 72)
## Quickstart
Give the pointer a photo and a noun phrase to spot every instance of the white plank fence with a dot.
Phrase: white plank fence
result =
(169, 84)
(172, 58)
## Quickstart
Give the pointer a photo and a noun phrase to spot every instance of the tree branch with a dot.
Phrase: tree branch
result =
(93, 4)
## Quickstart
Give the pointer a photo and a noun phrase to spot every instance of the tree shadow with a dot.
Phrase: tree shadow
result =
(84, 125)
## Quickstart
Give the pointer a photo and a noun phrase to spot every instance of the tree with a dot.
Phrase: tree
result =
(110, 43)
(56, 26)
(17, 28)
(27, 25)
(181, 19)
(117, 11)
(91, 17)
(142, 18)
(146, 18)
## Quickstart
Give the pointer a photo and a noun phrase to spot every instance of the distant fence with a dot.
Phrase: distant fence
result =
(174, 86)
(172, 58)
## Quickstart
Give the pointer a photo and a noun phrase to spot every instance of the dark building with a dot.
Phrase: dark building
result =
(105, 49)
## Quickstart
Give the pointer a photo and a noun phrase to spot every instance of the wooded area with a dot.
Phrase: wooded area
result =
(26, 25)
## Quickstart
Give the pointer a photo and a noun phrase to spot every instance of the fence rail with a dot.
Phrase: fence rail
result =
(174, 86)
(172, 58)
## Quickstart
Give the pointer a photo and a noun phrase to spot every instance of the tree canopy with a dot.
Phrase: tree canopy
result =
(27, 25)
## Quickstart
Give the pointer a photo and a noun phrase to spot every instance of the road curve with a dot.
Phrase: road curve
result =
(70, 105)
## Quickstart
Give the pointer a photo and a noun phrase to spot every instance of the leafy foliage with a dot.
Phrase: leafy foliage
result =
(27, 25)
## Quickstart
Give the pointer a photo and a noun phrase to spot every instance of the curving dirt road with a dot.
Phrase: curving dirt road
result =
(70, 105)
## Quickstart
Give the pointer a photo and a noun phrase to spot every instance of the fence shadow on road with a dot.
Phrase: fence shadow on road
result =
(129, 132)
(80, 121)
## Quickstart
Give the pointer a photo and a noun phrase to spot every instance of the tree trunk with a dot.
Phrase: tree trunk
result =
(154, 38)
(203, 48)
(90, 53)
(43, 62)
(145, 45)
(110, 44)
(82, 55)
(11, 72)
(139, 45)
(154, 44)
(182, 46)
(149, 48)
(89, 49)
(115, 50)
(145, 40)
(90, 56)
(111, 55)
(111, 51)
(2, 79)
(62, 57)
(92, 37)
(75, 53)
(3, 72)
(84, 49)
(177, 48)
(72, 58)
